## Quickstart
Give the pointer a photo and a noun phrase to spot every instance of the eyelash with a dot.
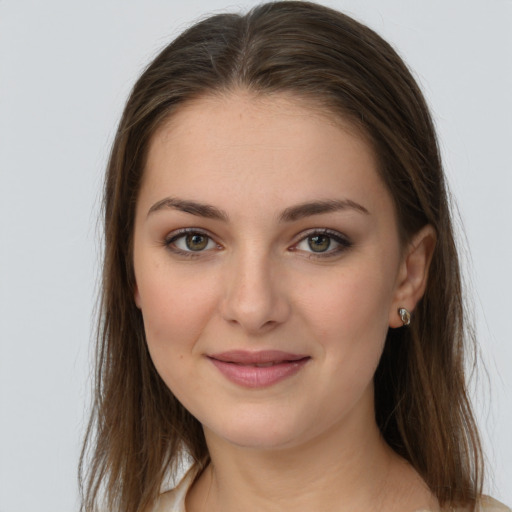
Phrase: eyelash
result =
(343, 242)
(172, 238)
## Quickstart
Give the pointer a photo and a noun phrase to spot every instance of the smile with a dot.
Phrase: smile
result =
(258, 369)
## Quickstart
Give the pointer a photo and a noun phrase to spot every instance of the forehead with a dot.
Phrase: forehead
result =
(276, 145)
(231, 109)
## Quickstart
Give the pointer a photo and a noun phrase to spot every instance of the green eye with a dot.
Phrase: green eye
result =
(190, 242)
(319, 243)
(323, 243)
(196, 242)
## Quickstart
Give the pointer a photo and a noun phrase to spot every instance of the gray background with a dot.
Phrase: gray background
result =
(65, 70)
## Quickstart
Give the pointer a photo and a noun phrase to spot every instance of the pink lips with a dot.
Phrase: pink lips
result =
(258, 369)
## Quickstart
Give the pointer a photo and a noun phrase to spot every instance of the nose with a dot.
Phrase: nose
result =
(254, 298)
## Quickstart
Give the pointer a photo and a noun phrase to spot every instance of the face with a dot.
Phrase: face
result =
(268, 268)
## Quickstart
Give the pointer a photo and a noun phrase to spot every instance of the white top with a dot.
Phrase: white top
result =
(173, 500)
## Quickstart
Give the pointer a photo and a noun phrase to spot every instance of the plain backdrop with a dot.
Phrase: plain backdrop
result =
(66, 68)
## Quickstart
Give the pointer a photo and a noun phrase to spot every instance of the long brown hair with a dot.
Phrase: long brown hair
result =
(138, 430)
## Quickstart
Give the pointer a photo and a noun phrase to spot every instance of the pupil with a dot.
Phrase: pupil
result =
(196, 242)
(319, 243)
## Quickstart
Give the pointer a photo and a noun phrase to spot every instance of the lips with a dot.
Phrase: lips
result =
(258, 369)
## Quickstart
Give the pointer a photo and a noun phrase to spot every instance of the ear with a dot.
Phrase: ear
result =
(413, 273)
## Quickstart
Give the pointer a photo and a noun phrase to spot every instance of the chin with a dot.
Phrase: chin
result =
(259, 434)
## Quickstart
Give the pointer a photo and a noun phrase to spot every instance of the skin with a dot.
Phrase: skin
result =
(308, 442)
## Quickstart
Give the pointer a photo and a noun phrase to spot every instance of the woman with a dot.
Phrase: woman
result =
(281, 298)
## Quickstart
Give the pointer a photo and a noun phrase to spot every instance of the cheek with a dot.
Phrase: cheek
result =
(175, 310)
(351, 303)
(348, 315)
(175, 313)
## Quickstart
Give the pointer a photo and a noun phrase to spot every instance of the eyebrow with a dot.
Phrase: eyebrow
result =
(318, 207)
(192, 207)
(290, 214)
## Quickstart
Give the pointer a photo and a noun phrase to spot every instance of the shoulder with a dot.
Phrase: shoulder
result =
(488, 504)
(485, 504)
(173, 500)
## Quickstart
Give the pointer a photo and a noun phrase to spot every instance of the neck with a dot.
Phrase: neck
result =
(346, 468)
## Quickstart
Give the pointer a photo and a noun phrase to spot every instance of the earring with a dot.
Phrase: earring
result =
(405, 316)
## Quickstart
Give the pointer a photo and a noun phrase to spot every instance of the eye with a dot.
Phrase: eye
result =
(323, 243)
(319, 243)
(190, 242)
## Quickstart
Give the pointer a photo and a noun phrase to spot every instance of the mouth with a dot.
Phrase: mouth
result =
(258, 369)
(263, 365)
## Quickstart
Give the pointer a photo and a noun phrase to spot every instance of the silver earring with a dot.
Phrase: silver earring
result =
(405, 316)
